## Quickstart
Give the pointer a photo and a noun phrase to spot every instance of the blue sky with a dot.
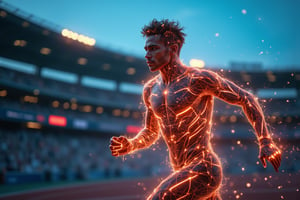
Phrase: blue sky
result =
(218, 32)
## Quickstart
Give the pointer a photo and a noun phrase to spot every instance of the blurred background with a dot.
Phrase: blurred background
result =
(71, 77)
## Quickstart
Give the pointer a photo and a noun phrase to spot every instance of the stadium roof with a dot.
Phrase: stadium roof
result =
(31, 43)
(45, 47)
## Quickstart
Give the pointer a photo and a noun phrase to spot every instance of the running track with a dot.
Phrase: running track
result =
(247, 187)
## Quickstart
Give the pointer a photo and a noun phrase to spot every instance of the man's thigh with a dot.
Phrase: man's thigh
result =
(193, 182)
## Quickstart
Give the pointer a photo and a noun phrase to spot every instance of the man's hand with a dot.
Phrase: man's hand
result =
(269, 151)
(120, 146)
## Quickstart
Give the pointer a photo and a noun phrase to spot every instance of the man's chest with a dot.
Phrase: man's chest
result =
(172, 99)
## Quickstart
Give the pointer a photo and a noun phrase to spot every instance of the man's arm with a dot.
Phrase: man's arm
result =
(211, 83)
(147, 136)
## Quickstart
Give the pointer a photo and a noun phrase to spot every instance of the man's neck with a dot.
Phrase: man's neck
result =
(171, 71)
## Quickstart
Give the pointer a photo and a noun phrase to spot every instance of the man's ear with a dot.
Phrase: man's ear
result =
(174, 48)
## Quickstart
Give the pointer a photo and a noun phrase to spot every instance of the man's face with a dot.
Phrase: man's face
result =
(158, 54)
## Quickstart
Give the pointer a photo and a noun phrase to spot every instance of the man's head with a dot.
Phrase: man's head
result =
(164, 40)
(170, 32)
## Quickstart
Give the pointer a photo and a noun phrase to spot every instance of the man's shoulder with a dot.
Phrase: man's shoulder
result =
(198, 73)
(148, 87)
(150, 83)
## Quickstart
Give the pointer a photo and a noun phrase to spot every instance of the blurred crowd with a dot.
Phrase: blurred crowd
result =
(66, 156)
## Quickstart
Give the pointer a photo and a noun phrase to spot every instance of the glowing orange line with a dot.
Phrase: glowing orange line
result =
(193, 135)
(184, 111)
(204, 109)
(180, 123)
(183, 136)
(186, 88)
(180, 183)
(197, 129)
(156, 116)
(193, 122)
(183, 196)
(180, 90)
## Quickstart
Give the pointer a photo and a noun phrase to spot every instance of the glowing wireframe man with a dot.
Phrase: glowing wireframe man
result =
(179, 106)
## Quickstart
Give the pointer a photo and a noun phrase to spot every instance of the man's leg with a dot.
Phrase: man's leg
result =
(193, 182)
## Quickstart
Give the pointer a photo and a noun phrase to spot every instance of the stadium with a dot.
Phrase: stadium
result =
(57, 119)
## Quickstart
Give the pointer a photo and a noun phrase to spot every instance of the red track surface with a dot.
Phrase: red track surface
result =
(265, 187)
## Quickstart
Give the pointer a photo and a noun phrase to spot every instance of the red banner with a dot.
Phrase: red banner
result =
(57, 120)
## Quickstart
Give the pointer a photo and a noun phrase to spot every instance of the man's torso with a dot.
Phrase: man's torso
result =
(184, 116)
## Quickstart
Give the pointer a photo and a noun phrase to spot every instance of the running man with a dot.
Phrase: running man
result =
(179, 107)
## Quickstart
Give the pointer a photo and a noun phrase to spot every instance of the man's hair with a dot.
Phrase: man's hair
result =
(170, 31)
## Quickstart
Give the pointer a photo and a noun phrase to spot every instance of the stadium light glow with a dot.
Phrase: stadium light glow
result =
(20, 43)
(74, 106)
(55, 104)
(99, 110)
(82, 61)
(33, 125)
(45, 51)
(197, 63)
(3, 93)
(30, 99)
(116, 112)
(126, 113)
(3, 13)
(130, 71)
(78, 37)
(86, 108)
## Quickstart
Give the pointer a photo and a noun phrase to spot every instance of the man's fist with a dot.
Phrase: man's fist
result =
(120, 146)
(269, 151)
